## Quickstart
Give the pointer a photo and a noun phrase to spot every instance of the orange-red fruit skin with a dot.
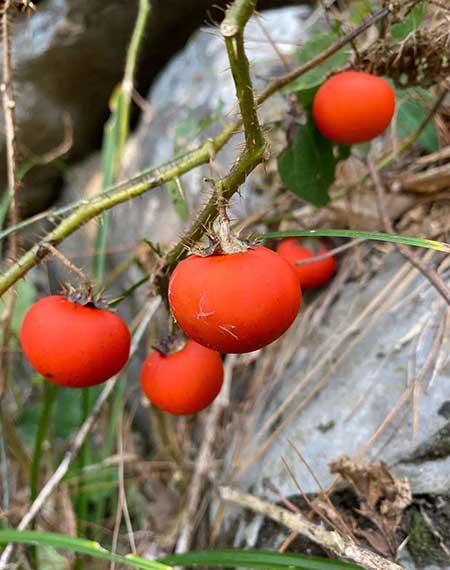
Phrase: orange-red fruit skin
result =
(311, 275)
(353, 107)
(184, 382)
(73, 345)
(237, 302)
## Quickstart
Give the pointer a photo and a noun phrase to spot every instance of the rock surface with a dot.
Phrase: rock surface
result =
(350, 374)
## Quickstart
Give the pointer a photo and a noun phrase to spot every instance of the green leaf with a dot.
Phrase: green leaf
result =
(360, 11)
(377, 236)
(409, 24)
(317, 44)
(306, 97)
(176, 194)
(78, 545)
(67, 412)
(412, 109)
(308, 167)
(66, 416)
(255, 559)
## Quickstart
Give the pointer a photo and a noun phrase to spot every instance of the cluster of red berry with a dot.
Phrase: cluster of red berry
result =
(224, 303)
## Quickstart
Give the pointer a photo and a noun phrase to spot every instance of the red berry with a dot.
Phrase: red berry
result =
(74, 345)
(311, 275)
(353, 107)
(235, 302)
(184, 382)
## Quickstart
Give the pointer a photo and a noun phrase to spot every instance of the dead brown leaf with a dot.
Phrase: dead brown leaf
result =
(382, 500)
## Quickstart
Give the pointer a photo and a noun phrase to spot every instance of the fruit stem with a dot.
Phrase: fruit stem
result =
(228, 241)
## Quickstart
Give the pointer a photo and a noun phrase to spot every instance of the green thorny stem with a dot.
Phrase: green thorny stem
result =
(232, 29)
(155, 177)
(236, 18)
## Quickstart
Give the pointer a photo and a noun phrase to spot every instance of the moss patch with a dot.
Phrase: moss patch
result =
(423, 545)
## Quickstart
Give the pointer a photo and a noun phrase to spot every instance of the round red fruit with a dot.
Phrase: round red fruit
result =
(311, 275)
(183, 382)
(353, 107)
(74, 345)
(235, 302)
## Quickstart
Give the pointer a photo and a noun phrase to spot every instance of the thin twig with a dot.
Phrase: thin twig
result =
(278, 84)
(80, 437)
(433, 277)
(276, 49)
(331, 252)
(122, 507)
(410, 141)
(331, 540)
(204, 460)
(67, 263)
(323, 494)
(9, 110)
(310, 504)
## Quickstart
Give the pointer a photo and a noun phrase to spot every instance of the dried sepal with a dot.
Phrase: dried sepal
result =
(170, 344)
(84, 296)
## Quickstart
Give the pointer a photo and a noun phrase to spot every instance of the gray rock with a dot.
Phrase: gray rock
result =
(365, 360)
(67, 57)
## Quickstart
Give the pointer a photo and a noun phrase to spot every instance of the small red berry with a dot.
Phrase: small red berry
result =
(311, 275)
(183, 382)
(74, 345)
(235, 302)
(353, 107)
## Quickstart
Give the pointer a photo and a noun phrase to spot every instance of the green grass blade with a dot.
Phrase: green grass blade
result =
(114, 139)
(111, 158)
(255, 559)
(77, 545)
(377, 236)
(42, 431)
(117, 129)
(215, 558)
